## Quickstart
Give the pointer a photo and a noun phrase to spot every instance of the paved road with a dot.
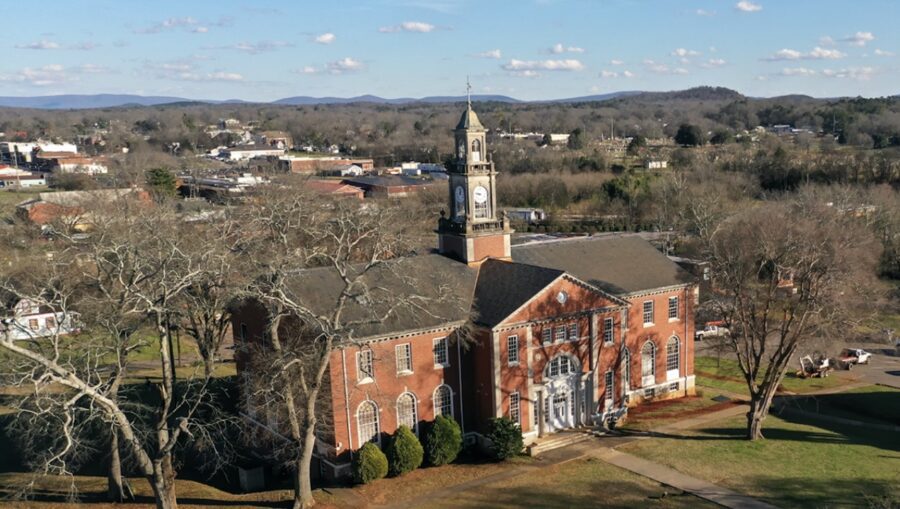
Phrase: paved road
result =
(883, 369)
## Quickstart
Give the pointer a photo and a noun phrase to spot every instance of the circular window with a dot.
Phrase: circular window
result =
(562, 297)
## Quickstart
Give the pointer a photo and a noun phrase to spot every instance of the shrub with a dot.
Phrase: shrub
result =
(404, 452)
(506, 437)
(370, 464)
(443, 441)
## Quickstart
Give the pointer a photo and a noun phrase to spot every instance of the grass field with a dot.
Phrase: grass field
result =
(726, 375)
(799, 464)
(659, 413)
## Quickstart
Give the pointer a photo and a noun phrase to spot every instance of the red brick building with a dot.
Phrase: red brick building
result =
(564, 333)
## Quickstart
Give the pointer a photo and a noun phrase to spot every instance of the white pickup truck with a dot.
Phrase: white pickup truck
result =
(711, 330)
(851, 356)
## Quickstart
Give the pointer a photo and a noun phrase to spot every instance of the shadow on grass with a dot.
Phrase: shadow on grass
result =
(814, 493)
(55, 497)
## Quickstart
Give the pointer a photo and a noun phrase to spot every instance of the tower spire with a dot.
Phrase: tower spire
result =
(468, 93)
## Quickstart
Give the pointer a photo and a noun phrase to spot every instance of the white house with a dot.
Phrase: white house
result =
(14, 178)
(247, 152)
(29, 320)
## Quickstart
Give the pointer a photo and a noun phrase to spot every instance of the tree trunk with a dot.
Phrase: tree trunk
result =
(760, 402)
(163, 483)
(303, 497)
(117, 488)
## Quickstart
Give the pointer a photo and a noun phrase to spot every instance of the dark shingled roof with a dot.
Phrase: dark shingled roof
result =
(619, 264)
(469, 120)
(439, 291)
(504, 286)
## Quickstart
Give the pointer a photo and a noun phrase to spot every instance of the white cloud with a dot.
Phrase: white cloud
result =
(704, 12)
(558, 48)
(608, 74)
(628, 74)
(818, 53)
(544, 65)
(308, 70)
(797, 71)
(408, 26)
(256, 47)
(859, 38)
(852, 73)
(528, 73)
(826, 40)
(168, 24)
(39, 45)
(53, 74)
(494, 53)
(882, 53)
(663, 68)
(682, 52)
(210, 76)
(747, 6)
(200, 30)
(93, 69)
(326, 38)
(344, 65)
(713, 62)
(616, 62)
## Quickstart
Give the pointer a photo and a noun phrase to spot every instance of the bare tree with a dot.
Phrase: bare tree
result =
(137, 264)
(341, 246)
(786, 275)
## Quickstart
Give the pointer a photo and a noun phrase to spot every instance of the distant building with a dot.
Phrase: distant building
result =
(527, 214)
(24, 320)
(335, 188)
(343, 170)
(69, 206)
(315, 164)
(14, 178)
(276, 139)
(247, 152)
(64, 162)
(390, 186)
(24, 152)
(656, 165)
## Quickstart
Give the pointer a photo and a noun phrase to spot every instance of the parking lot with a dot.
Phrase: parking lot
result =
(883, 368)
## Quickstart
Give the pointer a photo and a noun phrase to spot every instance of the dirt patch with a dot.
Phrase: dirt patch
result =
(657, 410)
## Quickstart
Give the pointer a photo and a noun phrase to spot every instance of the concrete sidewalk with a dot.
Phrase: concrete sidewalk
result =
(677, 480)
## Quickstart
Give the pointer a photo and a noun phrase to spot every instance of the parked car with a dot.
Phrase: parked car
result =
(712, 329)
(851, 356)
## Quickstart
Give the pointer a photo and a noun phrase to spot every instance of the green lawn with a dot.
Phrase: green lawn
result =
(580, 483)
(726, 375)
(658, 413)
(797, 465)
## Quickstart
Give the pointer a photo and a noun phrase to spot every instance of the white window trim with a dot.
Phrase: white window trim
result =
(360, 379)
(415, 409)
(609, 388)
(434, 343)
(518, 418)
(359, 436)
(509, 360)
(434, 400)
(397, 348)
(644, 313)
(609, 327)
(547, 332)
(677, 317)
(565, 333)
(569, 335)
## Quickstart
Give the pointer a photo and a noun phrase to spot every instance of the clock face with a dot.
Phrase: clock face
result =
(460, 194)
(480, 194)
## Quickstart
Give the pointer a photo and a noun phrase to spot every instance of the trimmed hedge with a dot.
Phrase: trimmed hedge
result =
(369, 464)
(443, 441)
(506, 438)
(404, 452)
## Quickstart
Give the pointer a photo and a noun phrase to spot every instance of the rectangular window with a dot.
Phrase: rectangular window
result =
(608, 330)
(573, 331)
(440, 353)
(547, 335)
(514, 408)
(648, 312)
(482, 210)
(404, 358)
(561, 333)
(512, 349)
(609, 386)
(365, 368)
(673, 308)
(33, 324)
(243, 332)
(51, 322)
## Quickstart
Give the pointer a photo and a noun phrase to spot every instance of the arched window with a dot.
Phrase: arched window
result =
(648, 363)
(367, 422)
(562, 365)
(476, 145)
(443, 401)
(406, 411)
(626, 369)
(673, 353)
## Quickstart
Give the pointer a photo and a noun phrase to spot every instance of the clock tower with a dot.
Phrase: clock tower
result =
(474, 230)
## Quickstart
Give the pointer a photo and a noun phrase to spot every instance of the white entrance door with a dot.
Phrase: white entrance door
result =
(559, 405)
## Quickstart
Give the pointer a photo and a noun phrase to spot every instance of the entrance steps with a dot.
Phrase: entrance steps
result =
(557, 440)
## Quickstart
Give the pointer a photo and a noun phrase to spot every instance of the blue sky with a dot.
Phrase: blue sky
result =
(529, 49)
